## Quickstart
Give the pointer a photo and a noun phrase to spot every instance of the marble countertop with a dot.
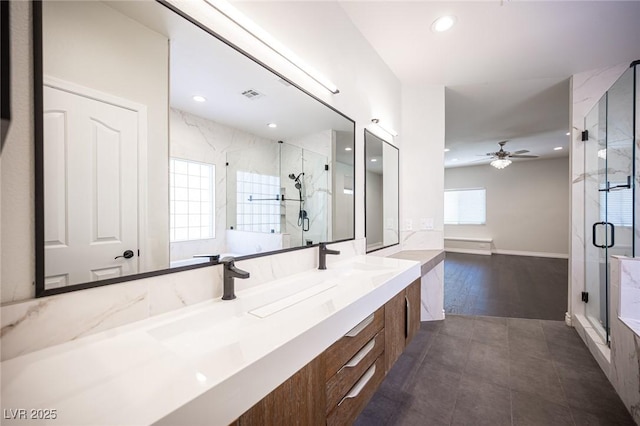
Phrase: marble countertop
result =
(205, 364)
(428, 258)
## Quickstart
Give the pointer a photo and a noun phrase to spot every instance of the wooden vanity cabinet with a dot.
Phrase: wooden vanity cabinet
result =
(354, 368)
(336, 386)
(298, 401)
(402, 321)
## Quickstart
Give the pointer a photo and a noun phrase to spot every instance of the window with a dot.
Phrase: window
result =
(258, 202)
(465, 206)
(620, 206)
(191, 200)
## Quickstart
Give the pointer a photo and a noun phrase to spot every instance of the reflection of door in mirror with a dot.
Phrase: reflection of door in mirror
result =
(112, 80)
(91, 147)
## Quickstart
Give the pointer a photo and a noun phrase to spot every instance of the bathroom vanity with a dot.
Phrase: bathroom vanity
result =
(313, 346)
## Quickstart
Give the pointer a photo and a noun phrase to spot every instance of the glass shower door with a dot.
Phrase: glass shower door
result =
(595, 229)
(609, 208)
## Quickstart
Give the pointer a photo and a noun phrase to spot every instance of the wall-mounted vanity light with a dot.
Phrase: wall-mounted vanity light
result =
(389, 130)
(238, 18)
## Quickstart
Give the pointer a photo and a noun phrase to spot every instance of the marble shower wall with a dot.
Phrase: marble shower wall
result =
(625, 342)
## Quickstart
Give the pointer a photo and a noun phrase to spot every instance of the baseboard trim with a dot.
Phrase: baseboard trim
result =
(468, 251)
(532, 253)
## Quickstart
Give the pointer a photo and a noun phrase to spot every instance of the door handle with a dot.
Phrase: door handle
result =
(128, 254)
(613, 235)
(593, 234)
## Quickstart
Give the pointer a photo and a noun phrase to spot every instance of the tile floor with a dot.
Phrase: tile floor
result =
(477, 370)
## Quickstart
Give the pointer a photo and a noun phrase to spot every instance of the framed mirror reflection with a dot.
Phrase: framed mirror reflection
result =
(161, 145)
(381, 192)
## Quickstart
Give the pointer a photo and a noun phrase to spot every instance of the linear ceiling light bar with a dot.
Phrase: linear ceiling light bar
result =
(392, 132)
(235, 16)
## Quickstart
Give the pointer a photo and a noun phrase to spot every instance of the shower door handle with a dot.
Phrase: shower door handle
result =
(613, 235)
(593, 234)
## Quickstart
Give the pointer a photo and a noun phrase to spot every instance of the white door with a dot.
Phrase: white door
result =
(90, 188)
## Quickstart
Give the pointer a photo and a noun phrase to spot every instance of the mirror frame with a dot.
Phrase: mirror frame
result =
(38, 109)
(367, 132)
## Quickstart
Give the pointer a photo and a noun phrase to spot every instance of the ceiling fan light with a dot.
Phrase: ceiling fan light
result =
(501, 163)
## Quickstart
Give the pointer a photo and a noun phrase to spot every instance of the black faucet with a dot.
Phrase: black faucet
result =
(230, 271)
(323, 251)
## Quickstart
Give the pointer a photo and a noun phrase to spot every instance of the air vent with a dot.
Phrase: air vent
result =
(252, 94)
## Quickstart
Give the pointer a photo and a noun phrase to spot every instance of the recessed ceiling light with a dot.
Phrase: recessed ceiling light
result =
(454, 159)
(272, 125)
(373, 160)
(199, 98)
(568, 133)
(348, 148)
(557, 148)
(443, 23)
(447, 150)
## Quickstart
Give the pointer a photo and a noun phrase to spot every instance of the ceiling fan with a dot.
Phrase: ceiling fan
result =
(501, 158)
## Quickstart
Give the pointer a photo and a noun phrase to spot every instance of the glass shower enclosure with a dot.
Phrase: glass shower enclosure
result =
(610, 180)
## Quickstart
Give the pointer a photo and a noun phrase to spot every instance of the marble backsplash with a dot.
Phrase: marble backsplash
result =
(39, 323)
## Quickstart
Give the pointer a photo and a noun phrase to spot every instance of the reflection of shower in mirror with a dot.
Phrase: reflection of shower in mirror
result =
(303, 217)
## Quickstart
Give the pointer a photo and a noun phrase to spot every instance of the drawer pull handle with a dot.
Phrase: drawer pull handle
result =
(407, 322)
(360, 355)
(357, 388)
(358, 328)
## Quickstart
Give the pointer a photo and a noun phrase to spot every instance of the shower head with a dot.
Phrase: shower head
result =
(298, 185)
(294, 177)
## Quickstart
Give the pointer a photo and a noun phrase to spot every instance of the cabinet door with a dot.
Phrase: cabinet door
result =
(413, 309)
(298, 401)
(394, 328)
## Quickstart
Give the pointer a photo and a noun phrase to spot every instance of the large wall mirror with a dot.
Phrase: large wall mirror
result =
(160, 143)
(381, 192)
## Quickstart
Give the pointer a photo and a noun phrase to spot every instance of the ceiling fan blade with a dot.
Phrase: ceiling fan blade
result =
(522, 151)
(523, 156)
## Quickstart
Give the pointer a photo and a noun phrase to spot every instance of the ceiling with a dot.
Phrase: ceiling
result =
(505, 64)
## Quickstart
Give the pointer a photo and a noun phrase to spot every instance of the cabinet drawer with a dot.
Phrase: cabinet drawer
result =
(356, 399)
(340, 384)
(345, 348)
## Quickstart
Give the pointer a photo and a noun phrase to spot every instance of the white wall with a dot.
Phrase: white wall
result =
(527, 206)
(422, 167)
(18, 219)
